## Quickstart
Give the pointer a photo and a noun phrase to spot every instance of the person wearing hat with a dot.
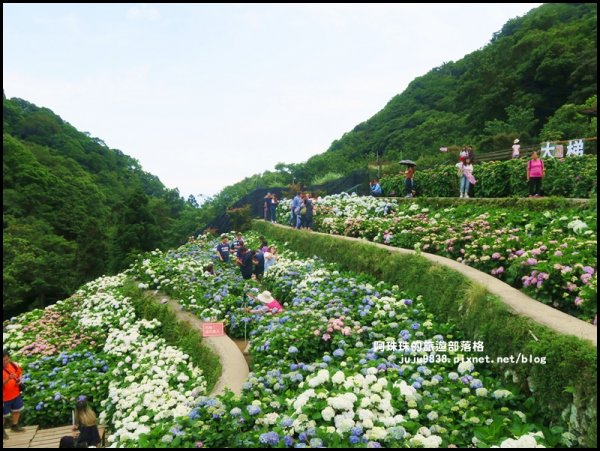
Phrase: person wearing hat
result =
(270, 304)
(516, 147)
(223, 249)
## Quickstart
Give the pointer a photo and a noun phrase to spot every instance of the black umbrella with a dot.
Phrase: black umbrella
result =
(408, 162)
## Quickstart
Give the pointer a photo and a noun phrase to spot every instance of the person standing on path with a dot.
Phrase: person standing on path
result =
(466, 179)
(296, 201)
(267, 206)
(273, 211)
(12, 401)
(408, 181)
(516, 149)
(535, 174)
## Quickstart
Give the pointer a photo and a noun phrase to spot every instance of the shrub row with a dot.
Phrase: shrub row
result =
(574, 177)
(564, 387)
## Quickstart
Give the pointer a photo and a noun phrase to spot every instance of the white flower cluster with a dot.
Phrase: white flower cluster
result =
(366, 402)
(152, 380)
(525, 441)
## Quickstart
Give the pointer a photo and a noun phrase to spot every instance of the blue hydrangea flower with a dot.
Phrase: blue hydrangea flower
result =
(316, 442)
(286, 422)
(270, 438)
(289, 441)
(353, 440)
(338, 353)
(293, 350)
(253, 410)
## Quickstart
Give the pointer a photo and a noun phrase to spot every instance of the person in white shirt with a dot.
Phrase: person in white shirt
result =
(516, 147)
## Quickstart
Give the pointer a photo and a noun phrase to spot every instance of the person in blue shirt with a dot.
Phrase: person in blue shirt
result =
(259, 264)
(238, 243)
(296, 201)
(223, 249)
(376, 188)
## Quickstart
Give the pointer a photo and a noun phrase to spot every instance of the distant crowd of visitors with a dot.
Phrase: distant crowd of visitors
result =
(466, 158)
(252, 263)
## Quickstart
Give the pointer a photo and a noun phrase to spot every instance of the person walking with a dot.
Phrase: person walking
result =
(535, 174)
(12, 386)
(516, 149)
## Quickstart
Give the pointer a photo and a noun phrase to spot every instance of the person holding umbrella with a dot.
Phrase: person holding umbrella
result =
(409, 174)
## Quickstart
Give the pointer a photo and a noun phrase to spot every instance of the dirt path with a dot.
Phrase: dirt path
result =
(235, 367)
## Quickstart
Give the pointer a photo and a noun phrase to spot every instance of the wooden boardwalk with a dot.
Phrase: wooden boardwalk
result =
(34, 437)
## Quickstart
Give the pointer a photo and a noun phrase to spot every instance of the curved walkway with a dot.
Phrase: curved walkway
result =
(514, 299)
(235, 369)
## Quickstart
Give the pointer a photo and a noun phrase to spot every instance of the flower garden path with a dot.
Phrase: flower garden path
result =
(515, 300)
(33, 437)
(235, 368)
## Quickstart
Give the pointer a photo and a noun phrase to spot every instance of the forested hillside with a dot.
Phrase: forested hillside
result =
(73, 209)
(531, 81)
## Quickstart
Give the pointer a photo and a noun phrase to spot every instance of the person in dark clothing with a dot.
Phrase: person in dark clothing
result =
(237, 243)
(308, 220)
(223, 249)
(267, 206)
(70, 442)
(259, 264)
(87, 423)
(244, 261)
(273, 210)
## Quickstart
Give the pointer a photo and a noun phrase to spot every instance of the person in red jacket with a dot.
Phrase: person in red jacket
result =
(11, 392)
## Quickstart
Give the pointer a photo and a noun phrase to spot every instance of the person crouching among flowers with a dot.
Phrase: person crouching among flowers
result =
(270, 304)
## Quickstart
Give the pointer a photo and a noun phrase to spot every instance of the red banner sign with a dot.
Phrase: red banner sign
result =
(212, 330)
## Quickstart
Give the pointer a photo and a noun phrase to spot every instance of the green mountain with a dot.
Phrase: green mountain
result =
(530, 81)
(73, 209)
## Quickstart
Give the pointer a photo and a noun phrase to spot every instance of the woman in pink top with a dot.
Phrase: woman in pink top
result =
(270, 304)
(535, 173)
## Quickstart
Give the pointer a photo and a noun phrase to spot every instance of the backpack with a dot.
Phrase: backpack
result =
(21, 384)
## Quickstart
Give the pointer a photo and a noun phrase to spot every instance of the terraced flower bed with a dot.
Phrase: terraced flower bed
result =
(549, 254)
(318, 379)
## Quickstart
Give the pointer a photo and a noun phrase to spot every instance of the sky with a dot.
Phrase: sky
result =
(203, 95)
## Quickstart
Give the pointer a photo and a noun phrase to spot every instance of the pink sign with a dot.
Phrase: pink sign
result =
(212, 330)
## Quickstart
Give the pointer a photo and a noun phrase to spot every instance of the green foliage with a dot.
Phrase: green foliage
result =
(320, 180)
(241, 218)
(75, 209)
(568, 122)
(572, 177)
(480, 316)
(176, 333)
(510, 88)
